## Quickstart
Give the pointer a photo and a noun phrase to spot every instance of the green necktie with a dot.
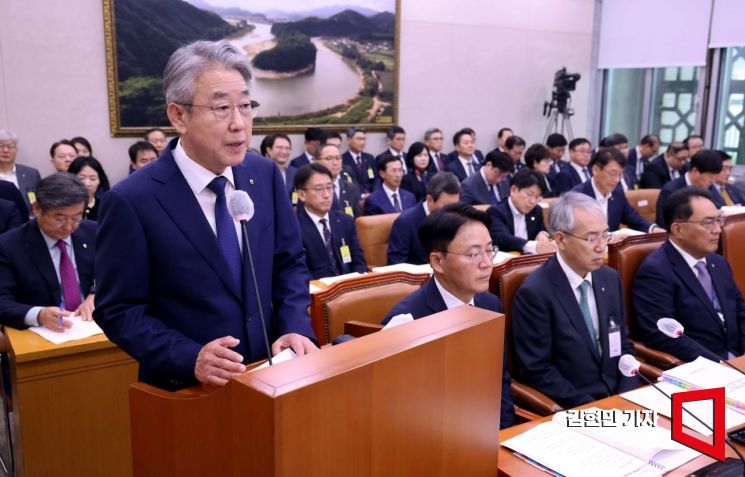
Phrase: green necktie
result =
(584, 305)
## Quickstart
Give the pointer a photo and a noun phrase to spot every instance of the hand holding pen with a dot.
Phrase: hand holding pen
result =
(53, 317)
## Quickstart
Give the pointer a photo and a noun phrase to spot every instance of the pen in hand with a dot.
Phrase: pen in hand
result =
(61, 309)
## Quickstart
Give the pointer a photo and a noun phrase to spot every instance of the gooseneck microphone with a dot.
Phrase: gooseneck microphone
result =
(241, 208)
(672, 328)
(629, 367)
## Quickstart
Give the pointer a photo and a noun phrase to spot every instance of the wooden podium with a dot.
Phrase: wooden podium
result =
(419, 399)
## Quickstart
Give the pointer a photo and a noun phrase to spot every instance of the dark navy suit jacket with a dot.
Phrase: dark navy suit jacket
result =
(8, 191)
(678, 184)
(656, 174)
(361, 176)
(379, 203)
(300, 161)
(734, 193)
(619, 209)
(411, 182)
(428, 301)
(454, 165)
(629, 172)
(665, 286)
(452, 155)
(27, 275)
(502, 229)
(349, 196)
(165, 288)
(290, 179)
(553, 350)
(474, 191)
(10, 216)
(568, 178)
(403, 243)
(343, 232)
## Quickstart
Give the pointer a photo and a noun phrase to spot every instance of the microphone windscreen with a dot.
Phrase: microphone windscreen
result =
(628, 365)
(670, 327)
(240, 206)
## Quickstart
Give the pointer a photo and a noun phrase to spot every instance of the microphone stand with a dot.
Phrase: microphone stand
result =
(247, 247)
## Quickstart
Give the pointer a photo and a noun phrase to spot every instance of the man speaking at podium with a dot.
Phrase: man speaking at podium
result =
(174, 290)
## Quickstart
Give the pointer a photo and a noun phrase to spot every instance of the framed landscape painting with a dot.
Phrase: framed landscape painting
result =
(326, 63)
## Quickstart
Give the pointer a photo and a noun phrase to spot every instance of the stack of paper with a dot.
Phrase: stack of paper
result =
(331, 280)
(404, 267)
(704, 373)
(80, 329)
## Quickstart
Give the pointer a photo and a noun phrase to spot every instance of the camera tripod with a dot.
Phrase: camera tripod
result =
(556, 125)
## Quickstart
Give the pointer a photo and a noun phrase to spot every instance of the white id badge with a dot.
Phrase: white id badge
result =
(614, 339)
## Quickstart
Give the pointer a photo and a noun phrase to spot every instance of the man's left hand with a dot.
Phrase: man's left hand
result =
(85, 310)
(299, 344)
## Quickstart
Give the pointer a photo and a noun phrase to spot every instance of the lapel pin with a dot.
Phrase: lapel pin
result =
(713, 265)
(85, 245)
(251, 181)
(602, 288)
(532, 218)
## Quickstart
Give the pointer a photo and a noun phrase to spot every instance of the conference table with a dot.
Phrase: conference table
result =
(70, 406)
(513, 466)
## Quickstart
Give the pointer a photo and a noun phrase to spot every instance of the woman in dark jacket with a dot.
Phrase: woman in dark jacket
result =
(417, 160)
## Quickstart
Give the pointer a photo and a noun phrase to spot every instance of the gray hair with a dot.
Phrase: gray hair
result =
(354, 130)
(186, 63)
(61, 189)
(561, 218)
(6, 135)
(429, 132)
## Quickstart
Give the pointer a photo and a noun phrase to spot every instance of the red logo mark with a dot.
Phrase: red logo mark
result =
(715, 450)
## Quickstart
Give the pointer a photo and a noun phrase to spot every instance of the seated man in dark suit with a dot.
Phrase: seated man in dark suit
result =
(346, 193)
(46, 265)
(329, 236)
(568, 316)
(639, 158)
(687, 280)
(517, 223)
(556, 144)
(390, 198)
(460, 251)
(514, 147)
(396, 142)
(730, 194)
(356, 160)
(463, 162)
(704, 168)
(607, 168)
(576, 171)
(490, 184)
(312, 141)
(665, 167)
(141, 154)
(434, 140)
(277, 147)
(403, 243)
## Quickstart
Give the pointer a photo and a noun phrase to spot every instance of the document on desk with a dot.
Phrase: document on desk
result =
(703, 373)
(404, 267)
(651, 398)
(80, 330)
(607, 451)
(338, 278)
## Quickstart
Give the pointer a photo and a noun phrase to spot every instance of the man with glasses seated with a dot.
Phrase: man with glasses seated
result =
(329, 236)
(576, 171)
(568, 316)
(346, 196)
(459, 249)
(517, 223)
(608, 165)
(687, 280)
(46, 265)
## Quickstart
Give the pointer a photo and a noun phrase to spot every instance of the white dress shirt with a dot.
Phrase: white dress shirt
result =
(521, 228)
(399, 154)
(495, 189)
(465, 163)
(10, 176)
(450, 300)
(389, 192)
(579, 170)
(574, 282)
(317, 221)
(602, 199)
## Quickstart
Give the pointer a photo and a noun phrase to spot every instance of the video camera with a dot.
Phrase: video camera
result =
(564, 84)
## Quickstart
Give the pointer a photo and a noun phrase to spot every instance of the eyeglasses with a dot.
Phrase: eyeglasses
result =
(477, 257)
(593, 238)
(709, 223)
(7, 145)
(321, 189)
(61, 220)
(225, 111)
(530, 195)
(330, 158)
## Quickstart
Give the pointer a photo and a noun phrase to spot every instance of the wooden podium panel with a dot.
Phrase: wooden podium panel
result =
(419, 399)
(70, 412)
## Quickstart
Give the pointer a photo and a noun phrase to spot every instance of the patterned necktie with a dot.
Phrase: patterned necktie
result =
(70, 287)
(396, 203)
(226, 235)
(329, 247)
(705, 279)
(470, 169)
(584, 305)
(726, 196)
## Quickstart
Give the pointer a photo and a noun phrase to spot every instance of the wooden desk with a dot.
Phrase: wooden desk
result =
(510, 465)
(70, 406)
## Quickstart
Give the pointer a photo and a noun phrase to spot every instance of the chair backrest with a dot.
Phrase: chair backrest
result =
(644, 201)
(368, 299)
(373, 232)
(505, 280)
(625, 257)
(733, 235)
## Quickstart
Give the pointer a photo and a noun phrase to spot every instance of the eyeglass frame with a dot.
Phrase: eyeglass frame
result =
(319, 189)
(606, 237)
(252, 111)
(476, 257)
(707, 222)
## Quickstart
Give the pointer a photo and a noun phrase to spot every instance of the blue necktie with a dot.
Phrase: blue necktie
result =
(226, 236)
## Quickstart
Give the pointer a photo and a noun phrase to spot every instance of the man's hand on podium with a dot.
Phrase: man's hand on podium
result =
(217, 363)
(299, 344)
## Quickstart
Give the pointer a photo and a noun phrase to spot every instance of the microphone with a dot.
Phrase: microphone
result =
(672, 328)
(241, 208)
(629, 367)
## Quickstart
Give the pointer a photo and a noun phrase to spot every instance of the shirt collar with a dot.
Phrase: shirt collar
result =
(197, 176)
(483, 176)
(597, 191)
(450, 300)
(12, 171)
(388, 191)
(310, 156)
(579, 169)
(574, 279)
(317, 218)
(394, 153)
(51, 242)
(688, 179)
(426, 209)
(515, 213)
(690, 261)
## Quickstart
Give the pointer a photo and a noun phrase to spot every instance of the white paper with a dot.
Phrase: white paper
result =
(502, 257)
(399, 320)
(338, 278)
(627, 232)
(80, 330)
(728, 210)
(404, 267)
(281, 357)
(642, 203)
(703, 373)
(312, 288)
(650, 398)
